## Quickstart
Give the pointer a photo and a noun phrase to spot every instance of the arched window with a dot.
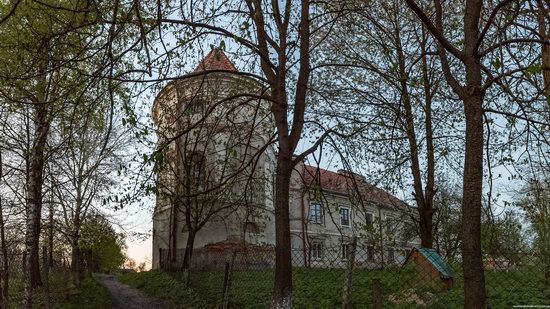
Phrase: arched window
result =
(194, 166)
(251, 228)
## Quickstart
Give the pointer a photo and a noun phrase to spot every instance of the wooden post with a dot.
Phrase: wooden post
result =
(348, 283)
(376, 294)
(227, 281)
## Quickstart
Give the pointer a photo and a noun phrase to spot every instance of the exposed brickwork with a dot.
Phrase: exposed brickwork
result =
(235, 245)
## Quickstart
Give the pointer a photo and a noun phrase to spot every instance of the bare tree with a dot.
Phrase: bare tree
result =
(387, 73)
(279, 36)
(82, 172)
(484, 39)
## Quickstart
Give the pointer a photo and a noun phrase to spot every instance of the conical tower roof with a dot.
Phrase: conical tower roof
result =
(215, 60)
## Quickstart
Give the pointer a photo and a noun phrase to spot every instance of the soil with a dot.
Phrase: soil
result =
(126, 297)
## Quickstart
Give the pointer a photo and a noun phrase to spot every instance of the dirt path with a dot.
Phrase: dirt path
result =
(126, 297)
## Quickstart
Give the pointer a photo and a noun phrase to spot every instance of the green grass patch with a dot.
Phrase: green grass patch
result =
(66, 294)
(322, 288)
(165, 287)
(313, 287)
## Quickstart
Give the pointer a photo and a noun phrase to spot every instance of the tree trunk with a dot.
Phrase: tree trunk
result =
(50, 234)
(34, 193)
(381, 237)
(172, 241)
(4, 275)
(76, 259)
(4, 270)
(472, 258)
(429, 193)
(424, 202)
(426, 228)
(544, 31)
(305, 242)
(282, 291)
(472, 96)
(34, 184)
(474, 280)
(189, 248)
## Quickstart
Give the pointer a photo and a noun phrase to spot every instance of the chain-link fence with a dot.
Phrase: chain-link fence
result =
(11, 280)
(12, 271)
(363, 277)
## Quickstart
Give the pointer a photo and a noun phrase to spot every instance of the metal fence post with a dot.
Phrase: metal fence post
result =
(228, 274)
(376, 294)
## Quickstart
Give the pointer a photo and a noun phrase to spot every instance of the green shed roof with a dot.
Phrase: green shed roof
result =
(437, 261)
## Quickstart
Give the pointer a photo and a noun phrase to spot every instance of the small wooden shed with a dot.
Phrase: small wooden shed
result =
(431, 268)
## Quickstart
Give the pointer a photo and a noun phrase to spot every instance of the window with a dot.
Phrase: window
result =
(391, 255)
(346, 251)
(316, 250)
(344, 216)
(251, 228)
(315, 214)
(370, 219)
(389, 222)
(370, 253)
(194, 166)
(193, 106)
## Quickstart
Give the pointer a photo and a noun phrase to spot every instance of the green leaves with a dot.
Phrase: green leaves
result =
(533, 69)
(104, 242)
(497, 64)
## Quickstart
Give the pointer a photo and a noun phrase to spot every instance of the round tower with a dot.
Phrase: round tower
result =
(215, 183)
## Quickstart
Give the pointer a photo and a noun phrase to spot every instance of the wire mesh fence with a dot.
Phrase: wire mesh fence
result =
(360, 277)
(11, 280)
(12, 276)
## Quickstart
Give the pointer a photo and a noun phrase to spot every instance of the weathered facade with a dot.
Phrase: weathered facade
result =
(214, 184)
(216, 181)
(329, 209)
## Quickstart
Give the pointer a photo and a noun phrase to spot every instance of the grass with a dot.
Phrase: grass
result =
(322, 288)
(164, 286)
(64, 293)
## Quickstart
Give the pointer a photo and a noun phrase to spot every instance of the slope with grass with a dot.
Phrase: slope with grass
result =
(322, 288)
(66, 294)
(165, 287)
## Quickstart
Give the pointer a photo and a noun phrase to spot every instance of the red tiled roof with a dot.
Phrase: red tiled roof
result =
(215, 60)
(342, 182)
